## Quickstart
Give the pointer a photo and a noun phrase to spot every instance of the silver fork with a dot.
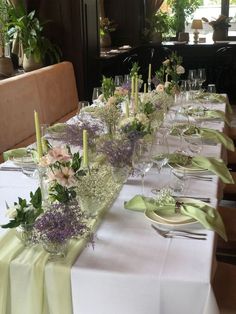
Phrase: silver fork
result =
(180, 234)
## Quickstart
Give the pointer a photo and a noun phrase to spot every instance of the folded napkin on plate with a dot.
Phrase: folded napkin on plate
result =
(14, 153)
(218, 137)
(214, 98)
(215, 165)
(207, 134)
(200, 211)
(58, 127)
(207, 114)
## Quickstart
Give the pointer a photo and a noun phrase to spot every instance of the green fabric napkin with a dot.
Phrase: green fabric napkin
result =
(203, 97)
(206, 133)
(58, 127)
(207, 113)
(218, 137)
(215, 165)
(200, 211)
(18, 152)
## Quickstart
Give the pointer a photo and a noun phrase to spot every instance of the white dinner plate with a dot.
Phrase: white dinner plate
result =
(25, 161)
(188, 169)
(160, 221)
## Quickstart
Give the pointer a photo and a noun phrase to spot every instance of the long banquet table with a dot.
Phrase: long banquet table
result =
(132, 269)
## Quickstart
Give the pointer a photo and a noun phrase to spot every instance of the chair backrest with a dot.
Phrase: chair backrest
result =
(51, 91)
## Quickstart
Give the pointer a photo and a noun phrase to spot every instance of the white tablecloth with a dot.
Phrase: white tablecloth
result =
(132, 270)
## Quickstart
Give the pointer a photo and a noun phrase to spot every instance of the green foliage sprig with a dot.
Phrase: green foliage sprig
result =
(108, 87)
(23, 212)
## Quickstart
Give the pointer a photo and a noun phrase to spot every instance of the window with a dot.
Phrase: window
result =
(210, 9)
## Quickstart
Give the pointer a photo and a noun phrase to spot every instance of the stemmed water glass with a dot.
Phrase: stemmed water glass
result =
(96, 93)
(201, 76)
(142, 159)
(192, 78)
(118, 81)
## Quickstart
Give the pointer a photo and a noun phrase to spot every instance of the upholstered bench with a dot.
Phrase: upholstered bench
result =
(51, 91)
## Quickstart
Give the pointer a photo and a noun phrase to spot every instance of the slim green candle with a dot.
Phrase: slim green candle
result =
(132, 86)
(145, 88)
(38, 135)
(149, 71)
(85, 148)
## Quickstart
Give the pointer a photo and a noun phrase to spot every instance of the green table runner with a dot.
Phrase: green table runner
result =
(32, 285)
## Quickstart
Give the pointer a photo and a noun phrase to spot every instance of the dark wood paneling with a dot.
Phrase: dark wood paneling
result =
(129, 15)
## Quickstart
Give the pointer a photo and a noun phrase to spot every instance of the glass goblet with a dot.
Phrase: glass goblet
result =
(142, 159)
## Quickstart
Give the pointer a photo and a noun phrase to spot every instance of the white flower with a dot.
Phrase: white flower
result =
(58, 153)
(63, 176)
(167, 83)
(160, 88)
(126, 121)
(11, 213)
(142, 118)
(166, 62)
(111, 101)
(180, 69)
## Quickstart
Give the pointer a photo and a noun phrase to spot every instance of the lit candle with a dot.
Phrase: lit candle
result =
(145, 88)
(149, 71)
(38, 135)
(85, 148)
(132, 86)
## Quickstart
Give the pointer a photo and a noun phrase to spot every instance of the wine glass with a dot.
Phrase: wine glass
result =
(201, 74)
(192, 76)
(118, 81)
(142, 159)
(96, 93)
(81, 105)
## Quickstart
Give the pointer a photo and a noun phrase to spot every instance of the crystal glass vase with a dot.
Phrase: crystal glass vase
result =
(57, 250)
(24, 233)
(120, 174)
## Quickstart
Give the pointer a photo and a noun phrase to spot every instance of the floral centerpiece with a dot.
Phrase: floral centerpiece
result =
(167, 77)
(154, 105)
(135, 127)
(110, 114)
(62, 172)
(23, 212)
(23, 215)
(58, 225)
(118, 153)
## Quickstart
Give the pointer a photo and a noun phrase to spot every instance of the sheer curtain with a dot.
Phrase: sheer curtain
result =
(152, 6)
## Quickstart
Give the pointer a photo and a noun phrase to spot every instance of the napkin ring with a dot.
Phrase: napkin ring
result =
(178, 207)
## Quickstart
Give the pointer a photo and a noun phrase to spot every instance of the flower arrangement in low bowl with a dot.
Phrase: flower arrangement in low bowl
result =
(118, 153)
(23, 215)
(135, 127)
(60, 223)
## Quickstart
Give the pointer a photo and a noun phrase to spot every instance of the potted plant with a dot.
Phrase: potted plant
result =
(106, 27)
(181, 10)
(158, 26)
(27, 28)
(6, 66)
(220, 27)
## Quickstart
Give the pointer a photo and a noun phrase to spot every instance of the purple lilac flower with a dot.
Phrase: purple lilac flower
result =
(73, 133)
(118, 152)
(61, 223)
